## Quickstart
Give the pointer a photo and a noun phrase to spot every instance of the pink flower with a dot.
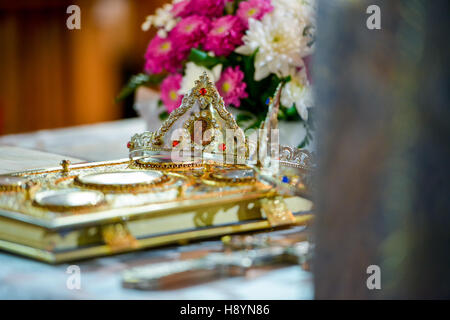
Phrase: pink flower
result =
(163, 55)
(182, 9)
(255, 9)
(231, 86)
(169, 92)
(190, 32)
(225, 35)
(208, 8)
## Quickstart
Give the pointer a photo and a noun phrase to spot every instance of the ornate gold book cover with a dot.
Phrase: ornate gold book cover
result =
(174, 187)
(43, 218)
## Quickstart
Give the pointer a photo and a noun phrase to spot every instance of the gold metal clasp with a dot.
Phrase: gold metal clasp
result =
(30, 190)
(65, 164)
(118, 237)
(277, 211)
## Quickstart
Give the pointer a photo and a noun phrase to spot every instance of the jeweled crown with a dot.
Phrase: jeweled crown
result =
(200, 123)
(203, 110)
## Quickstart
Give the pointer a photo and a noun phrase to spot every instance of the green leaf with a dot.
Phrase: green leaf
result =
(287, 79)
(139, 80)
(233, 6)
(202, 58)
(163, 115)
(282, 115)
(304, 143)
(249, 71)
(292, 113)
(268, 87)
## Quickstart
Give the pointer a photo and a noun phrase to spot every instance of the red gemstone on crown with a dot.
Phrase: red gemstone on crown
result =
(203, 91)
(175, 143)
(129, 145)
(222, 147)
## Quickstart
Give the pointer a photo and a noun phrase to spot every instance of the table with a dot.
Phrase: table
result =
(103, 141)
(21, 278)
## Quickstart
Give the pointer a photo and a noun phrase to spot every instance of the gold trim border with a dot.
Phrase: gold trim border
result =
(104, 250)
(166, 165)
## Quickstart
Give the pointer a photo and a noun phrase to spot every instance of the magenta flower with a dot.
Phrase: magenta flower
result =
(207, 8)
(190, 32)
(163, 55)
(169, 92)
(255, 9)
(182, 9)
(225, 35)
(231, 86)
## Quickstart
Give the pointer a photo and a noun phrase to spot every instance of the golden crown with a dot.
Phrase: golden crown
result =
(200, 123)
(203, 110)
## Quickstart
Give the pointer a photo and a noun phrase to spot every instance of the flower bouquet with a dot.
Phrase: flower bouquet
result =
(246, 47)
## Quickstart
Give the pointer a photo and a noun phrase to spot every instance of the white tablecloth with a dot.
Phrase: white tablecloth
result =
(97, 142)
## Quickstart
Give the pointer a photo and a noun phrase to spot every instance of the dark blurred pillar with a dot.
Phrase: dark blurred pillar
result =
(384, 150)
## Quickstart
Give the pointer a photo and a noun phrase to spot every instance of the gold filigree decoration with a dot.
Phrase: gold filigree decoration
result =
(297, 158)
(125, 188)
(205, 94)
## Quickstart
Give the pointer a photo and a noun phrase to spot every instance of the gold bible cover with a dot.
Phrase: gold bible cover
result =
(63, 220)
(174, 187)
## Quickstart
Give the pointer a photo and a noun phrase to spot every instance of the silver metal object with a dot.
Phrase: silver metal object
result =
(68, 198)
(214, 265)
(236, 174)
(121, 178)
(11, 182)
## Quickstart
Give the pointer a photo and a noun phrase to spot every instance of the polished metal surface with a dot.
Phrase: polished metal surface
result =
(162, 158)
(121, 178)
(236, 174)
(70, 198)
(11, 181)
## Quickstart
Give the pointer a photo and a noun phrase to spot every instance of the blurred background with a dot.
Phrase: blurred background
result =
(54, 77)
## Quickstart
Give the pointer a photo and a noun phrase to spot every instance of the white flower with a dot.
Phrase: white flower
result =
(298, 91)
(193, 72)
(303, 10)
(162, 19)
(147, 23)
(279, 40)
